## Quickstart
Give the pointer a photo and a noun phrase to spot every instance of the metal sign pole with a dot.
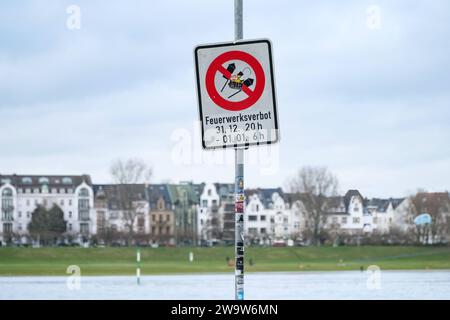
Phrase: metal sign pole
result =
(239, 184)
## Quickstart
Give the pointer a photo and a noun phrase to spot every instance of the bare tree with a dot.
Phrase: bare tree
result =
(437, 205)
(131, 176)
(131, 171)
(314, 185)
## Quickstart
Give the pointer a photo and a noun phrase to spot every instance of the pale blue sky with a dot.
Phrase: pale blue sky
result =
(372, 105)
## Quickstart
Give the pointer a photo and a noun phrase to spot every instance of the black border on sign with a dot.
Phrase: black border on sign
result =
(197, 75)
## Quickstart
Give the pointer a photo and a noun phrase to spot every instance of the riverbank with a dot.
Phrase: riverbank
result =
(122, 261)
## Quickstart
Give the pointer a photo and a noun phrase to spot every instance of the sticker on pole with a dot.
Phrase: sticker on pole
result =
(236, 94)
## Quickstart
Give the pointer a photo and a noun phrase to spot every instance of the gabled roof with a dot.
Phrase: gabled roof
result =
(382, 205)
(179, 193)
(156, 192)
(264, 194)
(351, 193)
(224, 189)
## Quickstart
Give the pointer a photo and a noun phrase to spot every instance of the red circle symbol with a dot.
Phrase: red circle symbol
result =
(252, 95)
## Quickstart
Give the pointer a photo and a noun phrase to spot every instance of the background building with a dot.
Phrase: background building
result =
(21, 194)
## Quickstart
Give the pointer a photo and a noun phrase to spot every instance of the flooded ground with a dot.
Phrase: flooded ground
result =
(300, 285)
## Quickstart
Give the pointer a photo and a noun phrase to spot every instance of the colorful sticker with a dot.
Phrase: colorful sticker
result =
(239, 184)
(240, 197)
(239, 207)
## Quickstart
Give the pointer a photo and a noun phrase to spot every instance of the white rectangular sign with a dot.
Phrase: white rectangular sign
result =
(236, 94)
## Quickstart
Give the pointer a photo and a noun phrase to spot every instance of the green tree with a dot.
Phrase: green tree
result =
(47, 224)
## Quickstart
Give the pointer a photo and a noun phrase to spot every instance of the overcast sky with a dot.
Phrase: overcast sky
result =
(372, 104)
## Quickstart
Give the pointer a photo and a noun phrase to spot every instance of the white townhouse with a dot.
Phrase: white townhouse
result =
(21, 194)
(269, 217)
(384, 212)
(214, 203)
(208, 212)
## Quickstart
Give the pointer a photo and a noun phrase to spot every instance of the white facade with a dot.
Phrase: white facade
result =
(257, 220)
(21, 197)
(207, 211)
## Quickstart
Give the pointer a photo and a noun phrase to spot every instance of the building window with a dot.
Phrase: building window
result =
(20, 214)
(344, 220)
(84, 228)
(161, 204)
(28, 214)
(27, 180)
(263, 218)
(61, 202)
(70, 227)
(83, 204)
(20, 227)
(7, 204)
(204, 203)
(167, 230)
(252, 218)
(209, 192)
(263, 230)
(7, 228)
(201, 222)
(168, 217)
(67, 180)
(355, 220)
(70, 214)
(84, 193)
(153, 217)
(43, 180)
(355, 208)
(7, 192)
(335, 220)
(214, 202)
(253, 231)
(257, 207)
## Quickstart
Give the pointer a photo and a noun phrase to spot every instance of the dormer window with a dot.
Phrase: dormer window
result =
(67, 180)
(27, 180)
(6, 181)
(43, 180)
(160, 204)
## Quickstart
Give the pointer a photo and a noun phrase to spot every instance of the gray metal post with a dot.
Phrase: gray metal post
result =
(239, 185)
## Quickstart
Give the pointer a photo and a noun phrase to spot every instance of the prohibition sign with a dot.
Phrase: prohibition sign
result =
(217, 66)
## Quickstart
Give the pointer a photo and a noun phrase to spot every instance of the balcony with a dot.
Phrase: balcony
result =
(7, 217)
(83, 216)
